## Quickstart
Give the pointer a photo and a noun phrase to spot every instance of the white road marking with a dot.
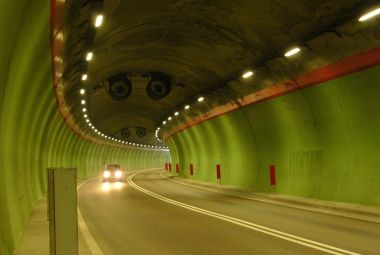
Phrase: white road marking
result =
(275, 202)
(269, 231)
(88, 237)
(90, 240)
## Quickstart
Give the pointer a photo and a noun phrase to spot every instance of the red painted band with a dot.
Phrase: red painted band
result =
(355, 63)
(191, 169)
(176, 168)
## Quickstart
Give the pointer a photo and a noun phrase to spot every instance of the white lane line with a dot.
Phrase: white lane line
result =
(88, 237)
(274, 202)
(269, 231)
(90, 240)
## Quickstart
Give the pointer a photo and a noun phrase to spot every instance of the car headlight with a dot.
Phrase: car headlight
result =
(106, 174)
(118, 174)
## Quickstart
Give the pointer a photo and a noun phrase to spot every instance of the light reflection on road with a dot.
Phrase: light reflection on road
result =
(107, 187)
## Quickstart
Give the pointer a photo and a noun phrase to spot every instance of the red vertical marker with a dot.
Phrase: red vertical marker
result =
(170, 167)
(166, 166)
(272, 173)
(218, 171)
(191, 169)
(176, 168)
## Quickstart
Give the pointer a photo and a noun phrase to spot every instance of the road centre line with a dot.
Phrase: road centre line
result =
(282, 235)
(273, 202)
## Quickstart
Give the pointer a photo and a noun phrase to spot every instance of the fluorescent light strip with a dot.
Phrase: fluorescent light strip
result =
(89, 56)
(98, 20)
(247, 74)
(292, 52)
(370, 15)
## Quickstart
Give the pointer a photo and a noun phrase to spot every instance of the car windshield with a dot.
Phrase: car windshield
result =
(113, 167)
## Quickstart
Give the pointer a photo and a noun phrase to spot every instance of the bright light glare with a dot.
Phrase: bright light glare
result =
(187, 107)
(84, 109)
(98, 20)
(370, 14)
(83, 101)
(292, 52)
(170, 118)
(82, 91)
(106, 174)
(118, 185)
(176, 113)
(247, 74)
(84, 77)
(85, 115)
(106, 186)
(118, 174)
(200, 99)
(89, 56)
(164, 122)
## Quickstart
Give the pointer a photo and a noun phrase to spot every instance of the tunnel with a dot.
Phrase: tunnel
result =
(223, 100)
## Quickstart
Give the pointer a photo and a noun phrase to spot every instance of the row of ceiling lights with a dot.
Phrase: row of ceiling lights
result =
(186, 107)
(89, 56)
(249, 73)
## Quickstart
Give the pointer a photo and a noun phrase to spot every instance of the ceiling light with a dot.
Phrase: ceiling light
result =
(292, 52)
(98, 20)
(92, 127)
(176, 113)
(247, 74)
(89, 56)
(187, 107)
(370, 14)
(164, 122)
(84, 109)
(84, 77)
(170, 118)
(87, 120)
(83, 101)
(82, 91)
(200, 99)
(85, 115)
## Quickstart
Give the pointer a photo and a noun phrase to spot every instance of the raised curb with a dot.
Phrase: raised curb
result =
(348, 209)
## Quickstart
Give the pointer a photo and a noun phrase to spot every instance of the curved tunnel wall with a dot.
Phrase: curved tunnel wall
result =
(323, 140)
(33, 135)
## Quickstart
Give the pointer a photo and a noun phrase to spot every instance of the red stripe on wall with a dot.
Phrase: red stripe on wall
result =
(355, 63)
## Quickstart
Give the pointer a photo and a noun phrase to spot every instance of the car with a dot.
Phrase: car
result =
(113, 173)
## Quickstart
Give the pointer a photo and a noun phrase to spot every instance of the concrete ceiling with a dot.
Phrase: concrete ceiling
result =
(200, 44)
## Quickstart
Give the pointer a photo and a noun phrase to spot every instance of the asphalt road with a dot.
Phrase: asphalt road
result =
(148, 214)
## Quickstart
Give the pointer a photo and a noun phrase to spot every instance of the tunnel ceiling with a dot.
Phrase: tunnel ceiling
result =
(197, 45)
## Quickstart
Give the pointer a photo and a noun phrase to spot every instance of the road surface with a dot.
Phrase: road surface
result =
(148, 214)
